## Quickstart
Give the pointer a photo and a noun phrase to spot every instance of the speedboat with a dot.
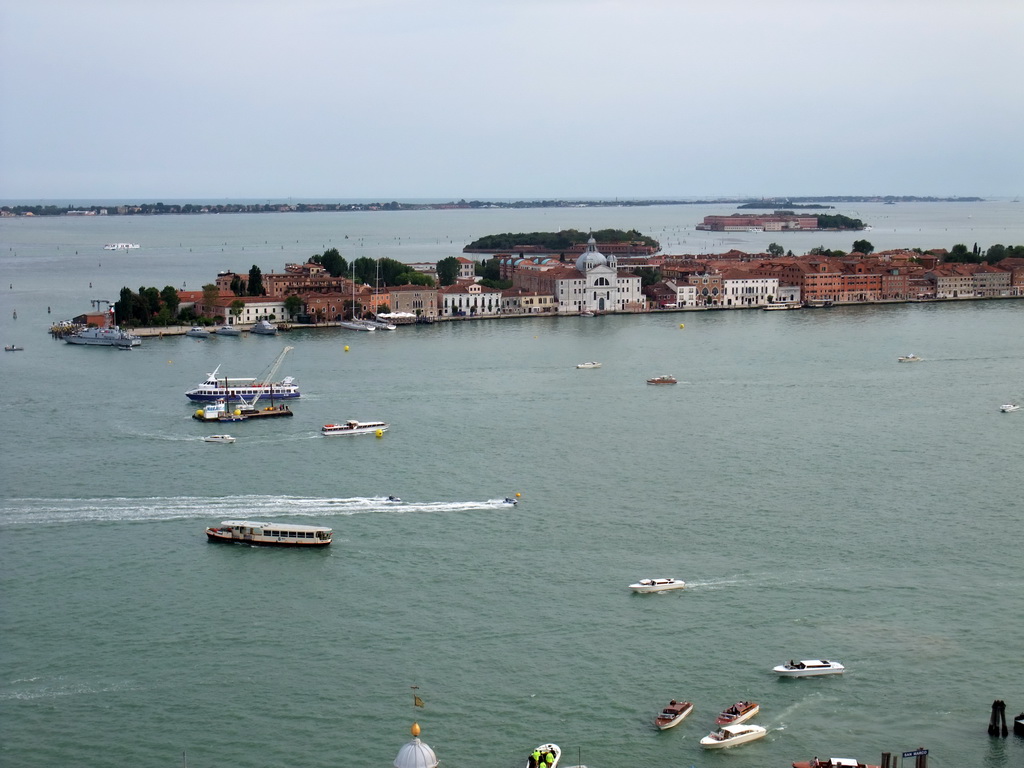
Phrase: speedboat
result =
(544, 756)
(355, 428)
(120, 246)
(673, 714)
(198, 332)
(509, 500)
(738, 713)
(393, 498)
(228, 330)
(832, 762)
(264, 328)
(911, 358)
(1009, 407)
(809, 668)
(270, 534)
(662, 380)
(731, 735)
(13, 348)
(657, 585)
(591, 364)
(219, 439)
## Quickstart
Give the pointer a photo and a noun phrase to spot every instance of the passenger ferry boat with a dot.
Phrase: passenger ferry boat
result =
(121, 246)
(214, 389)
(270, 534)
(355, 428)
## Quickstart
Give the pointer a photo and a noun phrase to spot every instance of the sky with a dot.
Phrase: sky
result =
(509, 99)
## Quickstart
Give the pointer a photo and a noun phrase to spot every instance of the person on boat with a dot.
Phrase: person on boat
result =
(549, 758)
(535, 757)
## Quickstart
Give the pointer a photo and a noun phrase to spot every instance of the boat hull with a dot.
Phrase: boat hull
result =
(642, 588)
(260, 541)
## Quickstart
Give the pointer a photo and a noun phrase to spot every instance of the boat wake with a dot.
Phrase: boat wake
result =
(62, 511)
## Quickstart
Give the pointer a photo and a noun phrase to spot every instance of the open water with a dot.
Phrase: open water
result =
(819, 499)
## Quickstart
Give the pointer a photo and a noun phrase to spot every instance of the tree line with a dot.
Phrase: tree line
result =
(557, 241)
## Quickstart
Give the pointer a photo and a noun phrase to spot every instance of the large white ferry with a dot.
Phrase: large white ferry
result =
(270, 534)
(224, 388)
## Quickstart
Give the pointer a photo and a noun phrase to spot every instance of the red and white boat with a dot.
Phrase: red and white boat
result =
(673, 714)
(739, 712)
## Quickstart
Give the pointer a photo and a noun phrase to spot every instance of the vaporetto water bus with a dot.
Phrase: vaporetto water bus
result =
(270, 534)
(224, 388)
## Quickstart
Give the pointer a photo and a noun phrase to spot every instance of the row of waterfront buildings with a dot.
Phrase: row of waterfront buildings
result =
(595, 282)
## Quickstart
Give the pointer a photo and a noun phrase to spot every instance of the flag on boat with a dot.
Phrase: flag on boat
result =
(417, 701)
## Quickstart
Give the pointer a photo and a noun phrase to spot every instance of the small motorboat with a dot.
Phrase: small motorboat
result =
(591, 364)
(544, 756)
(663, 380)
(197, 332)
(673, 714)
(393, 498)
(1018, 724)
(657, 585)
(218, 439)
(510, 500)
(228, 330)
(738, 713)
(731, 735)
(13, 348)
(1009, 407)
(908, 359)
(809, 668)
(832, 762)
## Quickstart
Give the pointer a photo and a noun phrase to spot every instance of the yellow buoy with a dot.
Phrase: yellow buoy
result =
(199, 412)
(380, 433)
(682, 325)
(517, 494)
(238, 412)
(346, 347)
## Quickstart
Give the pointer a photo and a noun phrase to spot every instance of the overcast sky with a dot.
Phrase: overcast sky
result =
(391, 99)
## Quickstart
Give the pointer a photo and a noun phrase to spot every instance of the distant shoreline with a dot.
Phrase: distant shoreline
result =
(284, 206)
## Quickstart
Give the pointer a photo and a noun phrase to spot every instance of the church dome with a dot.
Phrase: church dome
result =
(415, 754)
(591, 257)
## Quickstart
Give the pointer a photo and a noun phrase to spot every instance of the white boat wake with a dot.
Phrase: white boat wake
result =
(121, 509)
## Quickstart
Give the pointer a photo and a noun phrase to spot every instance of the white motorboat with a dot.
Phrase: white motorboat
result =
(355, 428)
(731, 735)
(264, 328)
(911, 358)
(218, 439)
(657, 585)
(509, 500)
(270, 534)
(544, 756)
(121, 246)
(673, 714)
(393, 498)
(591, 364)
(1009, 407)
(738, 713)
(228, 330)
(198, 332)
(782, 305)
(832, 762)
(809, 668)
